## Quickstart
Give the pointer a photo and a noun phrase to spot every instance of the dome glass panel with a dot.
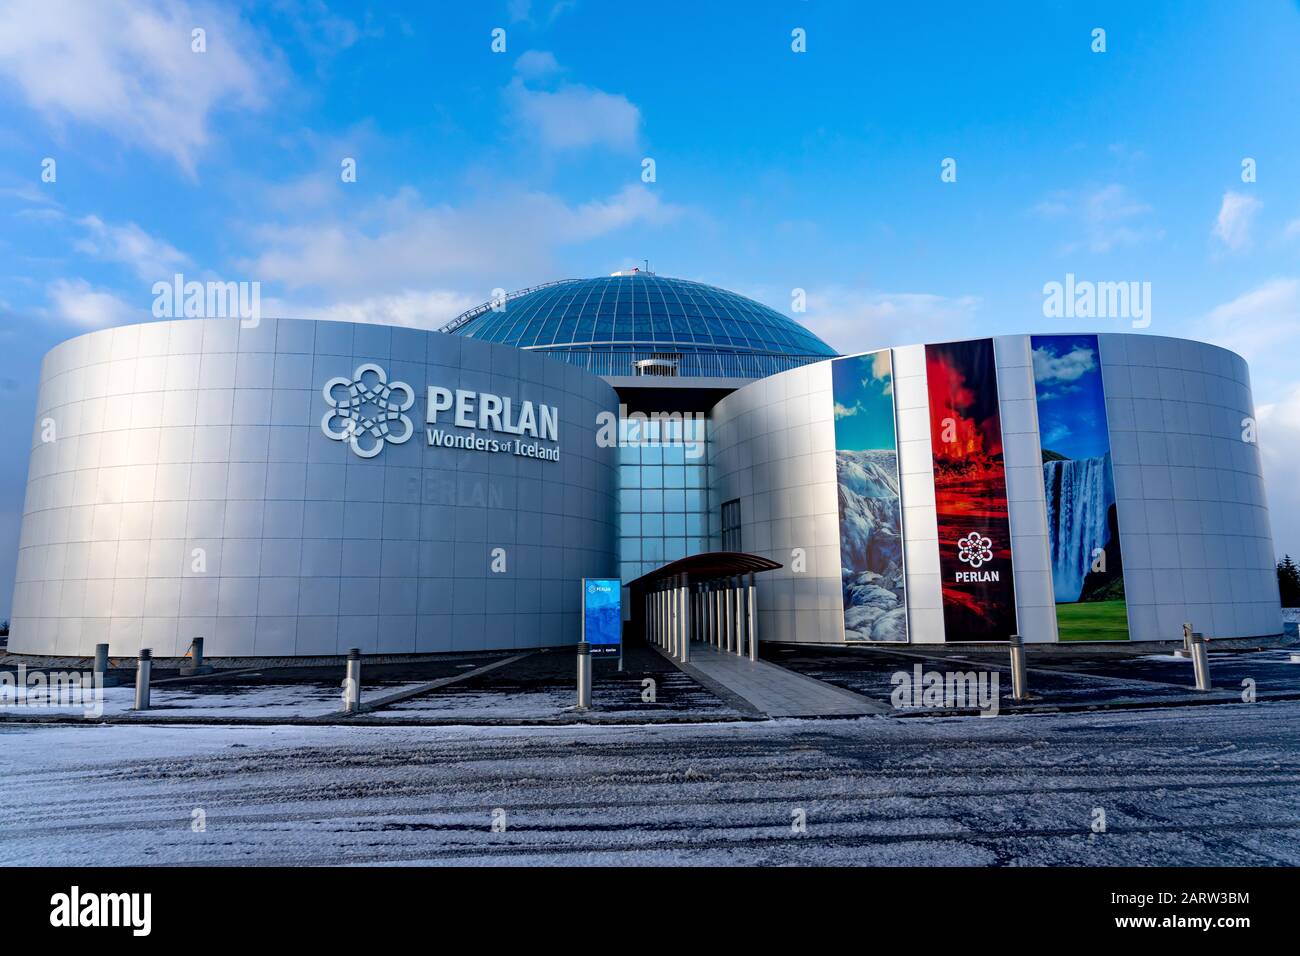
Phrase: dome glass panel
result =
(608, 324)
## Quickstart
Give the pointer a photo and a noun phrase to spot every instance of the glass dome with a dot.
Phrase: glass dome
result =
(639, 323)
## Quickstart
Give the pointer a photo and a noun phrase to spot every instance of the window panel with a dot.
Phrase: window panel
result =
(731, 538)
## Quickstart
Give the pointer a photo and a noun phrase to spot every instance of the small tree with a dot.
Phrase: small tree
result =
(1288, 581)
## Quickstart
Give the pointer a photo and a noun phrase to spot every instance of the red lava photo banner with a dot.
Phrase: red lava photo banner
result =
(970, 492)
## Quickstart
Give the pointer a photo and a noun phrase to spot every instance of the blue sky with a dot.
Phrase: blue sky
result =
(775, 170)
(1070, 395)
(863, 386)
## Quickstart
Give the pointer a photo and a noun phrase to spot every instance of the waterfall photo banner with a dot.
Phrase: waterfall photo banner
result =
(1078, 481)
(970, 492)
(866, 472)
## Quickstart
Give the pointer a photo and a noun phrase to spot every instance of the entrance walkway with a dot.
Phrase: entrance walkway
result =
(773, 690)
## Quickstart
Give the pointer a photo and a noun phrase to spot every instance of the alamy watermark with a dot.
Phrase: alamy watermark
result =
(627, 429)
(133, 911)
(945, 690)
(53, 689)
(208, 300)
(1084, 299)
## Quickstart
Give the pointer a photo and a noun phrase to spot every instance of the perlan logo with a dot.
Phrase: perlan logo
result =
(369, 410)
(975, 550)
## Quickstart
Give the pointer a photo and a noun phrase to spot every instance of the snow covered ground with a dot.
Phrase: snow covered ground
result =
(612, 697)
(1177, 786)
(229, 699)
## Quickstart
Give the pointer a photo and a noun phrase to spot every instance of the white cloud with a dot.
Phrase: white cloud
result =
(152, 259)
(418, 309)
(1062, 368)
(75, 301)
(313, 191)
(522, 10)
(1279, 448)
(882, 367)
(126, 66)
(400, 243)
(574, 116)
(30, 194)
(1261, 326)
(536, 63)
(1236, 214)
(322, 31)
(1102, 219)
(852, 320)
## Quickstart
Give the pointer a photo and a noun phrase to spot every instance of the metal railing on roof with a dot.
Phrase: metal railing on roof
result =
(471, 314)
(689, 364)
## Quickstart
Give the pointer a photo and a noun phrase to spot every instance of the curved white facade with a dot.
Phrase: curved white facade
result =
(297, 488)
(184, 482)
(1193, 523)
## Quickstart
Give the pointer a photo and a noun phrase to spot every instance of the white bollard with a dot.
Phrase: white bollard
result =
(1200, 662)
(352, 682)
(194, 663)
(688, 621)
(1019, 682)
(734, 636)
(751, 618)
(739, 598)
(584, 676)
(142, 668)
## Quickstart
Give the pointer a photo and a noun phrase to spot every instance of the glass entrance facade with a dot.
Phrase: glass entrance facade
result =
(666, 508)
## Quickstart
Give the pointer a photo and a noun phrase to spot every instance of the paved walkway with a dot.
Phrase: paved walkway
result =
(774, 690)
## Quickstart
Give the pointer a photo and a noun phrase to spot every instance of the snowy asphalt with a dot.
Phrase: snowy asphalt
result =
(1177, 786)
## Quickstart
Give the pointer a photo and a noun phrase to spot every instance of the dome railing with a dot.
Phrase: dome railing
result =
(490, 305)
(700, 364)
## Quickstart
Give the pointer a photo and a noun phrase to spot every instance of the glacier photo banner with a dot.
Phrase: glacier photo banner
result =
(970, 492)
(1082, 519)
(866, 471)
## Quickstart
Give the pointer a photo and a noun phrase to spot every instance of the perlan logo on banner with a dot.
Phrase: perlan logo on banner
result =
(976, 550)
(367, 411)
(970, 492)
(602, 615)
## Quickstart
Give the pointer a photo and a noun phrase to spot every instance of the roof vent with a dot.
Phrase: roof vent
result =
(659, 365)
(635, 271)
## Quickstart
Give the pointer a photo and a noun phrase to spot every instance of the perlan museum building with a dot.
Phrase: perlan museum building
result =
(298, 488)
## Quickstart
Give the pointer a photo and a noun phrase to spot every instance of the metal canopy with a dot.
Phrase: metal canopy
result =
(707, 566)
